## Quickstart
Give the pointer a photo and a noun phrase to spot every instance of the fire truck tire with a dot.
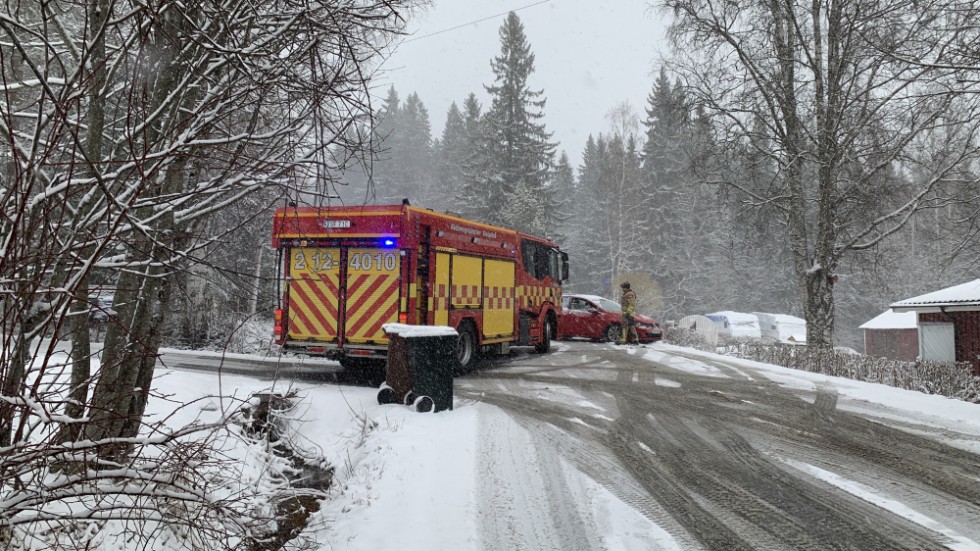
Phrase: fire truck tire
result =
(466, 350)
(548, 334)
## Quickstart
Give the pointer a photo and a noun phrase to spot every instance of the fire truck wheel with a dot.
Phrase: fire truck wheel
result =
(466, 349)
(549, 333)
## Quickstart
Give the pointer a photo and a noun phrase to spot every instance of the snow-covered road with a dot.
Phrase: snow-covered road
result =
(599, 447)
(730, 459)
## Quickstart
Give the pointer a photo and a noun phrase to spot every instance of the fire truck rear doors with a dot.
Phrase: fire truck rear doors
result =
(369, 299)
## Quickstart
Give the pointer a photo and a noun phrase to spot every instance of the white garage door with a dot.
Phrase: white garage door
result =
(936, 342)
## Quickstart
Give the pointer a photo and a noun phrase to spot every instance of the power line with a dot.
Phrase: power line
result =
(460, 26)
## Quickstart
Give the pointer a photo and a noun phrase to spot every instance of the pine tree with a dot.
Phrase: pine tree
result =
(383, 170)
(450, 158)
(562, 194)
(520, 154)
(589, 269)
(413, 152)
(403, 166)
(472, 198)
(667, 118)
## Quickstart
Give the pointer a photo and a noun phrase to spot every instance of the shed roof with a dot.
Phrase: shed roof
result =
(891, 319)
(965, 296)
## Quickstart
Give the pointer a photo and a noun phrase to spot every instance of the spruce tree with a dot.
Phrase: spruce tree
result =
(413, 153)
(562, 192)
(383, 170)
(521, 156)
(590, 270)
(668, 115)
(450, 159)
(472, 197)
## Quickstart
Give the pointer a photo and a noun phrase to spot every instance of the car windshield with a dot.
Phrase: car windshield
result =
(609, 305)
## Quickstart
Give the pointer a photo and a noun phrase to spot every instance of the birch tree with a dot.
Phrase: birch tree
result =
(861, 135)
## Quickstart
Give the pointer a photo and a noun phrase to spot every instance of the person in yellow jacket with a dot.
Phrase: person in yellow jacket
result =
(628, 304)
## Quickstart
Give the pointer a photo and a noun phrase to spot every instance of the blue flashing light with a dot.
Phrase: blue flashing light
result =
(387, 242)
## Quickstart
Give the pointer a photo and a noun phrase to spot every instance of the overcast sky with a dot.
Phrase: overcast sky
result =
(590, 56)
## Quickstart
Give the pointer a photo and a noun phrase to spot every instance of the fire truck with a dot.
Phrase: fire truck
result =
(348, 270)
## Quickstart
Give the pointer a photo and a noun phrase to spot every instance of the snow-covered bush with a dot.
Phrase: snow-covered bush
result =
(954, 380)
(217, 486)
(690, 339)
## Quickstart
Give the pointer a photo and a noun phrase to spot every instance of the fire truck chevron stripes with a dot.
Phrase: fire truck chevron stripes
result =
(313, 308)
(372, 300)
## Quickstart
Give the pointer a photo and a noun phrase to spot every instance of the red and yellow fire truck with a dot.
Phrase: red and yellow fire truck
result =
(346, 271)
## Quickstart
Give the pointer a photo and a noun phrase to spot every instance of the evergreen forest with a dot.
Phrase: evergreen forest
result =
(679, 198)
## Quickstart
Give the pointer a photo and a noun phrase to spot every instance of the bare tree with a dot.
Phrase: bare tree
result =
(859, 137)
(124, 127)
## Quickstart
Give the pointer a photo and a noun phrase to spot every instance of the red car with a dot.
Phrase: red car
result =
(597, 318)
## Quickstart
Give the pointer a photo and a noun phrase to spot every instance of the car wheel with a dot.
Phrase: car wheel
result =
(613, 333)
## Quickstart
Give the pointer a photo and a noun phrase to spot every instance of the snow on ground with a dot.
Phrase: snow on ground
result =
(870, 399)
(412, 481)
(958, 542)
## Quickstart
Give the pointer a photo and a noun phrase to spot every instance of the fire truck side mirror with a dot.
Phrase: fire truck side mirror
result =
(564, 267)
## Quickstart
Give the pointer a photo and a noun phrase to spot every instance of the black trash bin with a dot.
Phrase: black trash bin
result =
(420, 367)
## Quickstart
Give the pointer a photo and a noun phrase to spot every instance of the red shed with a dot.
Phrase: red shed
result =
(949, 323)
(892, 335)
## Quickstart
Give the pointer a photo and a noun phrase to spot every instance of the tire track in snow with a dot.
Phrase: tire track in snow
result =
(527, 502)
(703, 450)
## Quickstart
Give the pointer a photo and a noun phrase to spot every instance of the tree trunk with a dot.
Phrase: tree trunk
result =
(12, 385)
(132, 344)
(253, 304)
(819, 309)
(81, 350)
